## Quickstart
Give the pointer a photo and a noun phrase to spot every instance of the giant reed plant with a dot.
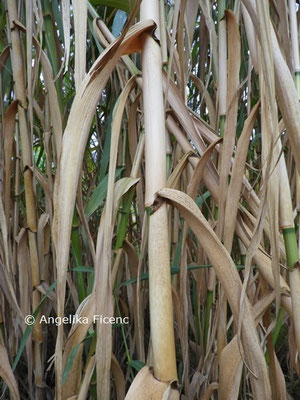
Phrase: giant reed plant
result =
(149, 170)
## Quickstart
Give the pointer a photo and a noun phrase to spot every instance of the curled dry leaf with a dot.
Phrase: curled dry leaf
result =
(145, 386)
(229, 278)
(73, 146)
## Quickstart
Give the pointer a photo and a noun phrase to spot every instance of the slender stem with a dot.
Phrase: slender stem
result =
(222, 112)
(18, 68)
(221, 9)
(161, 311)
(278, 326)
(207, 318)
(222, 124)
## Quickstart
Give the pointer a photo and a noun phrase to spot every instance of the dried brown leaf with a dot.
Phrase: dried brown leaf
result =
(7, 375)
(145, 386)
(228, 276)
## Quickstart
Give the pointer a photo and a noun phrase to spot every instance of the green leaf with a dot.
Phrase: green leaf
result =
(124, 218)
(106, 150)
(202, 198)
(125, 5)
(136, 364)
(70, 362)
(30, 327)
(90, 24)
(77, 254)
(57, 16)
(99, 194)
(174, 270)
(82, 268)
(178, 251)
(119, 22)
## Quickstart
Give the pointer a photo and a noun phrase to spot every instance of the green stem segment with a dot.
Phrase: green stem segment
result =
(221, 9)
(222, 125)
(278, 326)
(122, 228)
(209, 303)
(290, 241)
(297, 82)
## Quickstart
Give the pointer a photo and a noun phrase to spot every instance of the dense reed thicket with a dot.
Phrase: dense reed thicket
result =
(149, 199)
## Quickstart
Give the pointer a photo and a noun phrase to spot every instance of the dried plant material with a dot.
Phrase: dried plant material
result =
(174, 177)
(160, 294)
(7, 375)
(73, 145)
(103, 281)
(75, 340)
(231, 365)
(212, 32)
(235, 186)
(118, 378)
(200, 168)
(90, 134)
(231, 284)
(148, 387)
(209, 391)
(80, 21)
(208, 100)
(65, 5)
(233, 67)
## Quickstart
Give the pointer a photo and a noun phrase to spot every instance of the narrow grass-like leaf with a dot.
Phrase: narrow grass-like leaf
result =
(98, 195)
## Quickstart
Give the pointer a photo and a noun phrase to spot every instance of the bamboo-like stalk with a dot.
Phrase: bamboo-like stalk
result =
(161, 312)
(163, 34)
(250, 32)
(92, 164)
(296, 65)
(222, 79)
(286, 208)
(292, 260)
(80, 22)
(20, 89)
(285, 89)
(223, 96)
(294, 41)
